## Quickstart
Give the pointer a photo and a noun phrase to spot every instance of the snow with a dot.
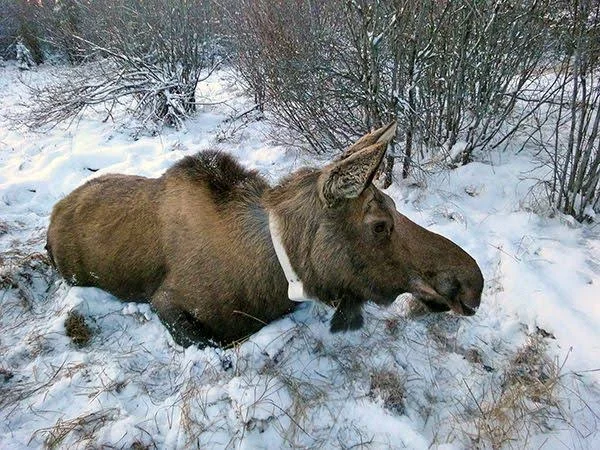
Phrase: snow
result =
(292, 383)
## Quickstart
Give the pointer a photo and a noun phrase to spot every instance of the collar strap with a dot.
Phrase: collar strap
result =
(296, 291)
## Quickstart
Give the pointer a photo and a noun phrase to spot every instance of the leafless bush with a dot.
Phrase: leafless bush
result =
(152, 53)
(448, 71)
(62, 22)
(575, 186)
(282, 56)
(564, 124)
(459, 78)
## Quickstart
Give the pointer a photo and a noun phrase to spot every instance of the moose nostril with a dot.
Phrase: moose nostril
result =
(454, 290)
(468, 310)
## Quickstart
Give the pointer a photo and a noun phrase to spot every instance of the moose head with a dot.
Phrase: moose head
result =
(349, 244)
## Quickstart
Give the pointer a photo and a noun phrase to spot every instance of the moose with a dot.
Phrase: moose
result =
(219, 253)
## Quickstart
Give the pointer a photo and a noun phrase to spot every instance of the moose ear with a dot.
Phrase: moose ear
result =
(383, 134)
(349, 177)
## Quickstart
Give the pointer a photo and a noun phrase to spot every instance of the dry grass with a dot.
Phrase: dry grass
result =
(137, 445)
(20, 271)
(11, 393)
(83, 428)
(305, 397)
(388, 386)
(193, 410)
(5, 375)
(523, 403)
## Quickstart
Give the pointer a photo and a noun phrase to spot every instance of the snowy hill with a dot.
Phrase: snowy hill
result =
(524, 372)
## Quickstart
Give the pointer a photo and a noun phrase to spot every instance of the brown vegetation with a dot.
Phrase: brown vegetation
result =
(77, 329)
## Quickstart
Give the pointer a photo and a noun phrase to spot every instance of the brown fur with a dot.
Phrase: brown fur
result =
(196, 243)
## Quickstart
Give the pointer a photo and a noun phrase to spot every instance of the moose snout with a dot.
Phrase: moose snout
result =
(456, 290)
(464, 295)
(468, 302)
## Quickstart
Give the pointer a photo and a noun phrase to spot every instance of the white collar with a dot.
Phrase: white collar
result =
(296, 291)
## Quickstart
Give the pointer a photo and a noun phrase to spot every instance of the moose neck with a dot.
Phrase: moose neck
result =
(296, 291)
(294, 209)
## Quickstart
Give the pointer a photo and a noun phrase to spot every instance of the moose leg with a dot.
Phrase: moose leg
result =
(347, 316)
(183, 326)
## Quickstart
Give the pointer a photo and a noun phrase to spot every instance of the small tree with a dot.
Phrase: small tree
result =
(19, 23)
(24, 59)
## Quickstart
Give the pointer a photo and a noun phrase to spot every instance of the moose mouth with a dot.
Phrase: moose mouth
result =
(458, 307)
(436, 302)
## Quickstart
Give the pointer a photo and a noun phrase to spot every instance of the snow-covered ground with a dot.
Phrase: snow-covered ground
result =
(522, 373)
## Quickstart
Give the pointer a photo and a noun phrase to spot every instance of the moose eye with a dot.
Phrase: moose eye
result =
(379, 227)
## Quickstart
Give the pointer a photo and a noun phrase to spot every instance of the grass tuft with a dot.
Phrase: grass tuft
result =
(390, 388)
(83, 428)
(77, 329)
(524, 402)
(5, 375)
